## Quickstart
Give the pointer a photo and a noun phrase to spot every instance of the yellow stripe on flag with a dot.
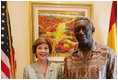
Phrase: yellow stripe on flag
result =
(112, 43)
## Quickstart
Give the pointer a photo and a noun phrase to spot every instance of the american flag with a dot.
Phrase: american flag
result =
(8, 63)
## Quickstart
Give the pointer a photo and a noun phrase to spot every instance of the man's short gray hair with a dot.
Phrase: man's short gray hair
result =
(85, 18)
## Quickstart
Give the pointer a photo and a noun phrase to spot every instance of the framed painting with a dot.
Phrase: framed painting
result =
(55, 21)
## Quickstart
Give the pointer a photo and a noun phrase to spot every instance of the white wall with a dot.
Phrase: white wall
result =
(101, 18)
(19, 16)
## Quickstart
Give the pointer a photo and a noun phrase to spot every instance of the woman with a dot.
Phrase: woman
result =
(42, 68)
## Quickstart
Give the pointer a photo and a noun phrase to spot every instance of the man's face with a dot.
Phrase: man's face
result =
(83, 31)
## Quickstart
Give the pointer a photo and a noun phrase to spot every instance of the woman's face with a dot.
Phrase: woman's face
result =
(42, 51)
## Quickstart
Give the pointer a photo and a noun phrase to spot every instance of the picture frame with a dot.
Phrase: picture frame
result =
(54, 19)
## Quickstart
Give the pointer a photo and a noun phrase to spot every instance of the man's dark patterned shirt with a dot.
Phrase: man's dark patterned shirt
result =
(100, 63)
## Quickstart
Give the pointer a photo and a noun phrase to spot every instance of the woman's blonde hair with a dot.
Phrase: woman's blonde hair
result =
(42, 40)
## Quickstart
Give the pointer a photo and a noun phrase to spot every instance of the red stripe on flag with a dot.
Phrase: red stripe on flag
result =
(14, 61)
(5, 69)
(112, 18)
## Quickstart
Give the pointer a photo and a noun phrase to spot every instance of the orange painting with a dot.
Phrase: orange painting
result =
(58, 25)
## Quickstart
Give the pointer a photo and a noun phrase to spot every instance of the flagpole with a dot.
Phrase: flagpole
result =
(10, 46)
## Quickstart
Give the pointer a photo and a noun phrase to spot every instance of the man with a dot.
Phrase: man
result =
(89, 59)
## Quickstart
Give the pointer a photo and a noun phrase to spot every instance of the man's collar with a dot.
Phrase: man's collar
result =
(95, 47)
